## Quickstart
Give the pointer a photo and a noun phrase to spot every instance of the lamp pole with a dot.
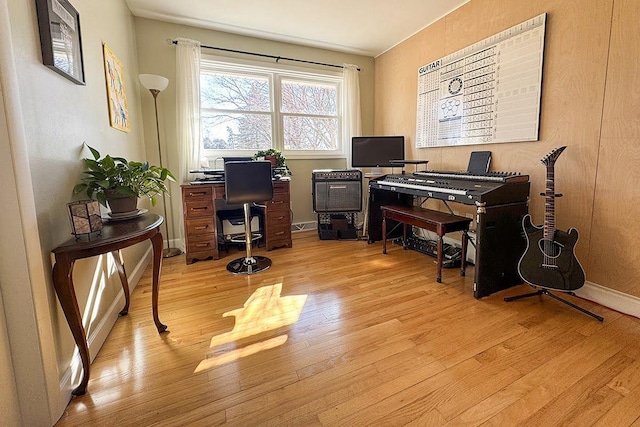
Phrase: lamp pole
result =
(157, 84)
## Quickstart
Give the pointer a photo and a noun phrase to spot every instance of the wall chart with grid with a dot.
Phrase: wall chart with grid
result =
(486, 93)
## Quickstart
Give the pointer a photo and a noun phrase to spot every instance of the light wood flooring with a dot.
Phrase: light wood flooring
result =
(336, 333)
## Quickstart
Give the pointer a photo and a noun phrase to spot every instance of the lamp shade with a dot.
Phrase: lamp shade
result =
(153, 82)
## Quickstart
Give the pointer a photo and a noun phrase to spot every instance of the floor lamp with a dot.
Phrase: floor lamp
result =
(157, 84)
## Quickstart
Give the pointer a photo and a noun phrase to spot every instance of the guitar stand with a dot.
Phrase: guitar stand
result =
(564, 301)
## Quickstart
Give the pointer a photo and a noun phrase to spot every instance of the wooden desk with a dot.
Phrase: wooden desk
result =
(202, 228)
(114, 236)
(439, 222)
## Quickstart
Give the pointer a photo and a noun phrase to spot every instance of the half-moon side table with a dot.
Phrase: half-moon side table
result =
(115, 235)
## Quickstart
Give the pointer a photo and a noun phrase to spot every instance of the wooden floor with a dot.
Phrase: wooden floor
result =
(336, 333)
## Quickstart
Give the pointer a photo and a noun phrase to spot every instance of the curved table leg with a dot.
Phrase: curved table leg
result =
(158, 244)
(63, 284)
(123, 279)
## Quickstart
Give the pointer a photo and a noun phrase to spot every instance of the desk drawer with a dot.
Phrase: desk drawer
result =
(202, 242)
(277, 234)
(277, 204)
(199, 208)
(197, 192)
(279, 216)
(199, 226)
(280, 231)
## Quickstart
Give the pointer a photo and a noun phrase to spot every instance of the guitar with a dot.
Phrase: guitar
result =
(549, 260)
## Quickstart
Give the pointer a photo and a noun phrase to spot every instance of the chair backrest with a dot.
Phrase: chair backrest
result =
(235, 159)
(248, 181)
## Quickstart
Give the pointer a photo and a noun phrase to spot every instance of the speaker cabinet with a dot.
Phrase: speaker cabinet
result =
(337, 190)
(379, 198)
(500, 244)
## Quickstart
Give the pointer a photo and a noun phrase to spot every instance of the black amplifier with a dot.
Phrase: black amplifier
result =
(337, 190)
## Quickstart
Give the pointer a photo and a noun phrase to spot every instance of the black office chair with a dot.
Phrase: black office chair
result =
(248, 182)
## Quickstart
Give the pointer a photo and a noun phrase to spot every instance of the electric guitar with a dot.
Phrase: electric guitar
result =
(549, 260)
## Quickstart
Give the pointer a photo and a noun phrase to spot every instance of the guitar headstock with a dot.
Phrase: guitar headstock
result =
(550, 159)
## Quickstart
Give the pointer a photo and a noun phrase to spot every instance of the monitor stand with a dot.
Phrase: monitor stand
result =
(375, 172)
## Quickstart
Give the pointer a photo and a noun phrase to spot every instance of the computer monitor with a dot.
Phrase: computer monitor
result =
(376, 151)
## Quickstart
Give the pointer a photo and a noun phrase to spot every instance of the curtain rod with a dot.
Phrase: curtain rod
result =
(262, 55)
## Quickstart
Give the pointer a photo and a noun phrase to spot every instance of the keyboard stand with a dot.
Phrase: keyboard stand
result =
(410, 162)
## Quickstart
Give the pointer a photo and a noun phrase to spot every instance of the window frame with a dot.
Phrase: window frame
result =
(276, 73)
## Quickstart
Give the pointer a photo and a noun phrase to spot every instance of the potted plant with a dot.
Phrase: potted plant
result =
(277, 159)
(118, 183)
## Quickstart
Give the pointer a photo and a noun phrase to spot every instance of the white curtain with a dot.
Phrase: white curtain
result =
(352, 120)
(188, 106)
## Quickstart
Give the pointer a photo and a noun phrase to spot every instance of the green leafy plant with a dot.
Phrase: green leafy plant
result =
(281, 161)
(127, 178)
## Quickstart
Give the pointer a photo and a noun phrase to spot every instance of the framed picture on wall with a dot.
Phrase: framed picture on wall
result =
(116, 93)
(59, 27)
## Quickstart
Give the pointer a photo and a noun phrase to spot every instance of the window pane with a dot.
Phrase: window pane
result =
(309, 98)
(236, 131)
(234, 92)
(310, 133)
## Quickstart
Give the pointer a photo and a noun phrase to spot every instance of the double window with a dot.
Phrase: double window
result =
(246, 108)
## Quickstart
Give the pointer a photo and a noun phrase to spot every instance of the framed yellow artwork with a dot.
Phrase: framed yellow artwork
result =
(116, 93)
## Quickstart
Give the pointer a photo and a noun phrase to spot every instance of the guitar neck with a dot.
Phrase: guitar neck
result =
(549, 204)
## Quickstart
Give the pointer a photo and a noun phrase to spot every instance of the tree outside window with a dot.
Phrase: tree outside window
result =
(257, 109)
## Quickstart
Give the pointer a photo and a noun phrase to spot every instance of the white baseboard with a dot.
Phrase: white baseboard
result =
(175, 243)
(99, 335)
(610, 298)
(304, 226)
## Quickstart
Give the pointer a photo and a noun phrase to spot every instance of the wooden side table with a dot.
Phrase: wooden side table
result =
(115, 235)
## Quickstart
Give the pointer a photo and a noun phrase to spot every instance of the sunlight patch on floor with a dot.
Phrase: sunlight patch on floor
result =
(265, 310)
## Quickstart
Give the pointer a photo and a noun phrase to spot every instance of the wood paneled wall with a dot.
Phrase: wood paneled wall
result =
(614, 256)
(590, 102)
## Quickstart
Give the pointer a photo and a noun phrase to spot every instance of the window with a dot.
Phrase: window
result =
(246, 108)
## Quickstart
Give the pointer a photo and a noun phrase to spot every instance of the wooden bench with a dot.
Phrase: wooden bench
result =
(439, 222)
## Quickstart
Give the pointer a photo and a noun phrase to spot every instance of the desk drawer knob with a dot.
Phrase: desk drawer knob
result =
(203, 227)
(204, 208)
(201, 245)
(197, 193)
(277, 202)
(279, 233)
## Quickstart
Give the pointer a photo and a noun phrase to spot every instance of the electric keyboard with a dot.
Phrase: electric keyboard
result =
(500, 201)
(418, 184)
(489, 176)
(491, 189)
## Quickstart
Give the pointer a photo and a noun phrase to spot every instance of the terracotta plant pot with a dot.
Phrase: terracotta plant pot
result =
(273, 160)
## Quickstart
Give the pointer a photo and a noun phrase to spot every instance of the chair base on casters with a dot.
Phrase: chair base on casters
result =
(557, 298)
(244, 265)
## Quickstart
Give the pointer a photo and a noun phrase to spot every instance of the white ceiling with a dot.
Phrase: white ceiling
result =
(364, 27)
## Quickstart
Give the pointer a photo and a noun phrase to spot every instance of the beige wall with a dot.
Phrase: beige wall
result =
(156, 56)
(590, 103)
(48, 120)
(614, 260)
